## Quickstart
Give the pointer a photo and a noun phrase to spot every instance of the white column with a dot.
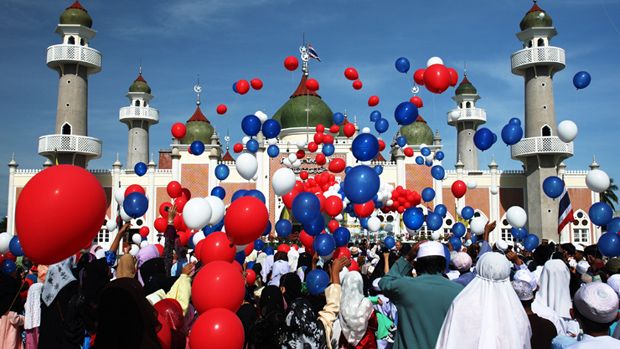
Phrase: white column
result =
(400, 171)
(10, 224)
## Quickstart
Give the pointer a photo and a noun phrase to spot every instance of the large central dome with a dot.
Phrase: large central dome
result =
(304, 108)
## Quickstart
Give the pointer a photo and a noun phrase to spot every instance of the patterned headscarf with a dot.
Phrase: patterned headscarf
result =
(303, 329)
(58, 276)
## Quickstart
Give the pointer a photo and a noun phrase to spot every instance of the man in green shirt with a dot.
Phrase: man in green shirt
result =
(422, 302)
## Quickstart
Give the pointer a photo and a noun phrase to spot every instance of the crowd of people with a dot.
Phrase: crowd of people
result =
(422, 295)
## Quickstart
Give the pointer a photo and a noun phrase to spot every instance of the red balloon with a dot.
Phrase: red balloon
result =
(217, 329)
(337, 165)
(186, 194)
(221, 109)
(312, 147)
(218, 284)
(134, 188)
(436, 78)
(10, 256)
(303, 175)
(291, 63)
(288, 198)
(198, 248)
(243, 86)
(160, 249)
(354, 266)
(320, 159)
(179, 223)
(300, 154)
(178, 130)
(349, 129)
(341, 251)
(184, 237)
(373, 100)
(459, 188)
(306, 239)
(180, 203)
(351, 74)
(284, 248)
(318, 138)
(144, 231)
(320, 128)
(248, 249)
(418, 76)
(250, 277)
(256, 83)
(312, 84)
(238, 147)
(454, 76)
(246, 220)
(164, 208)
(333, 225)
(357, 84)
(217, 247)
(160, 224)
(334, 128)
(328, 139)
(408, 152)
(45, 236)
(174, 189)
(365, 209)
(381, 144)
(417, 101)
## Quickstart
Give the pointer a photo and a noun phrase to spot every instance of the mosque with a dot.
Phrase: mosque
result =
(491, 190)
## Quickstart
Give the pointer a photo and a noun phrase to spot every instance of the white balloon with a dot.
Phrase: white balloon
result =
(296, 164)
(246, 165)
(494, 190)
(339, 217)
(390, 202)
(567, 131)
(374, 224)
(301, 145)
(197, 237)
(423, 145)
(434, 60)
(217, 209)
(292, 157)
(245, 140)
(111, 225)
(436, 235)
(283, 181)
(286, 163)
(119, 195)
(144, 243)
(366, 130)
(197, 213)
(5, 241)
(134, 250)
(124, 216)
(597, 180)
(261, 116)
(471, 184)
(516, 217)
(477, 225)
(272, 141)
(454, 115)
(136, 238)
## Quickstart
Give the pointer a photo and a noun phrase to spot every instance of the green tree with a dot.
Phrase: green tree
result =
(609, 196)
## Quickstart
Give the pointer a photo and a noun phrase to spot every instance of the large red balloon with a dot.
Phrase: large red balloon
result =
(178, 130)
(341, 251)
(349, 129)
(373, 101)
(312, 84)
(174, 189)
(246, 220)
(459, 188)
(365, 209)
(134, 188)
(437, 78)
(217, 329)
(218, 284)
(357, 84)
(256, 83)
(221, 109)
(418, 76)
(59, 211)
(217, 247)
(454, 76)
(243, 86)
(337, 165)
(161, 224)
(417, 101)
(333, 206)
(351, 74)
(291, 63)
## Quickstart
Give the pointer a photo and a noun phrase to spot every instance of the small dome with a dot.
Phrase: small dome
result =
(465, 88)
(198, 128)
(417, 132)
(76, 14)
(140, 85)
(293, 112)
(536, 17)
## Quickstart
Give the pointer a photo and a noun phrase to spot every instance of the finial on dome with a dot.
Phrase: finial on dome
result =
(198, 90)
(594, 164)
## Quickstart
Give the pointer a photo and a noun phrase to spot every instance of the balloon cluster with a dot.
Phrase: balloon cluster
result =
(436, 77)
(243, 86)
(402, 199)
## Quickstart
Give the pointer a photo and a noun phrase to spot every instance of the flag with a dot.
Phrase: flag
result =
(312, 53)
(565, 213)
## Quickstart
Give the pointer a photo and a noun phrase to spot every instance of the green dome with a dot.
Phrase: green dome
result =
(76, 14)
(140, 85)
(536, 17)
(465, 88)
(293, 112)
(417, 132)
(198, 128)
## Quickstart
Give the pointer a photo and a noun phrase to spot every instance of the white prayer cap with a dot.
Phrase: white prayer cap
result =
(431, 248)
(501, 245)
(354, 250)
(526, 276)
(614, 283)
(582, 267)
(462, 261)
(523, 289)
(597, 302)
(578, 247)
(100, 253)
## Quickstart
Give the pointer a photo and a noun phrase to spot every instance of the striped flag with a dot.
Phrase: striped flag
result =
(565, 213)
(312, 52)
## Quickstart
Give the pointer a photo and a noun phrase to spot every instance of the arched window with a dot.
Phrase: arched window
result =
(546, 131)
(137, 103)
(71, 40)
(66, 129)
(581, 227)
(541, 42)
(529, 44)
(505, 230)
(82, 42)
(468, 105)
(448, 222)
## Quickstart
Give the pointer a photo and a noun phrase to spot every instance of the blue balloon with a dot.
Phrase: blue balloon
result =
(382, 125)
(271, 128)
(197, 148)
(240, 257)
(609, 244)
(218, 226)
(259, 245)
(338, 118)
(15, 247)
(234, 87)
(425, 151)
(365, 147)
(206, 230)
(250, 124)
(361, 184)
(419, 160)
(428, 163)
(346, 171)
(614, 225)
(456, 243)
(256, 193)
(140, 168)
(484, 138)
(402, 65)
(439, 155)
(135, 205)
(428, 194)
(413, 218)
(512, 134)
(458, 229)
(379, 169)
(328, 149)
(324, 244)
(252, 145)
(441, 210)
(600, 213)
(401, 141)
(519, 233)
(284, 228)
(273, 151)
(317, 281)
(306, 207)
(221, 172)
(269, 251)
(342, 236)
(364, 222)
(389, 242)
(238, 194)
(438, 172)
(250, 264)
(8, 266)
(531, 242)
(375, 115)
(553, 186)
(467, 212)
(582, 79)
(434, 221)
(315, 226)
(515, 121)
(474, 238)
(405, 113)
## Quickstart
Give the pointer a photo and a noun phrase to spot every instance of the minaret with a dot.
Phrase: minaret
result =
(540, 150)
(74, 60)
(466, 118)
(138, 116)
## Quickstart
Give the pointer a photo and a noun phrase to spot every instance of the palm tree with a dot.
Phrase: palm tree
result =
(609, 196)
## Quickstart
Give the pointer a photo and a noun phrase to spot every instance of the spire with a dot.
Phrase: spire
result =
(13, 163)
(493, 164)
(594, 165)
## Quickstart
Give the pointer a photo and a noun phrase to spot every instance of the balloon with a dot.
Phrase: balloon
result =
(389, 242)
(351, 74)
(312, 84)
(456, 243)
(317, 281)
(418, 76)
(242, 87)
(581, 80)
(238, 147)
(221, 109)
(135, 205)
(337, 165)
(401, 141)
(328, 149)
(413, 218)
(357, 84)
(324, 244)
(245, 220)
(382, 125)
(439, 155)
(252, 145)
(373, 101)
(516, 217)
(178, 130)
(597, 180)
(614, 225)
(477, 225)
(349, 129)
(333, 206)
(250, 125)
(197, 148)
(8, 266)
(484, 138)
(405, 113)
(458, 229)
(197, 213)
(600, 213)
(519, 233)
(218, 284)
(53, 193)
(217, 209)
(402, 65)
(221, 172)
(306, 207)
(256, 84)
(361, 184)
(217, 328)
(436, 78)
(5, 242)
(315, 226)
(365, 147)
(417, 101)
(438, 172)
(567, 131)
(140, 169)
(467, 212)
(364, 210)
(15, 247)
(342, 236)
(283, 181)
(512, 134)
(553, 186)
(267, 230)
(246, 165)
(433, 61)
(428, 194)
(459, 188)
(134, 188)
(454, 76)
(259, 244)
(609, 244)
(338, 118)
(291, 63)
(531, 242)
(271, 128)
(174, 189)
(434, 221)
(441, 210)
(284, 228)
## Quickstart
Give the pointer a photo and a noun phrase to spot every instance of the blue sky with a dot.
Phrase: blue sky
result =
(224, 41)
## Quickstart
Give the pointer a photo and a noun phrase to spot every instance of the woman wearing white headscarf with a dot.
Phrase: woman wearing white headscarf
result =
(487, 313)
(356, 312)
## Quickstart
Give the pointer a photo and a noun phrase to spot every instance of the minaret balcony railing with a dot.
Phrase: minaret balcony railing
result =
(533, 146)
(529, 57)
(74, 54)
(83, 145)
(477, 115)
(127, 114)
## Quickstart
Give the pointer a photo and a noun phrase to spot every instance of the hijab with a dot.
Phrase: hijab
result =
(126, 266)
(302, 328)
(268, 328)
(292, 287)
(58, 276)
(144, 255)
(154, 276)
(553, 290)
(478, 316)
(248, 316)
(355, 309)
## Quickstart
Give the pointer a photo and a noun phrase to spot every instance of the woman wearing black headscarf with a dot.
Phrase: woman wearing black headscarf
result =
(290, 286)
(154, 276)
(268, 327)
